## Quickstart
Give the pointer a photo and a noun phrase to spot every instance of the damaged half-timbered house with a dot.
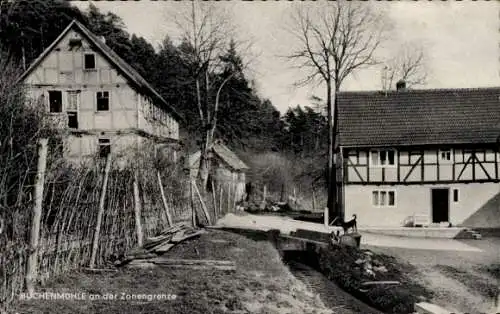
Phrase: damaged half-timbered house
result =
(423, 155)
(102, 103)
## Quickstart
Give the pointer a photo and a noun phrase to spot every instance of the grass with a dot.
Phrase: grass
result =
(473, 282)
(261, 284)
(493, 270)
(348, 267)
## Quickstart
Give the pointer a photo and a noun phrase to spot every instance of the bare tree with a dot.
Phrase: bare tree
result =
(335, 39)
(408, 65)
(208, 30)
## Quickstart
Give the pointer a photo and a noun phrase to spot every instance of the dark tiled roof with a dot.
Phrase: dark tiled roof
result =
(419, 117)
(123, 66)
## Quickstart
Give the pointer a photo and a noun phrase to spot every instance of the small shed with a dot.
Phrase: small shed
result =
(226, 168)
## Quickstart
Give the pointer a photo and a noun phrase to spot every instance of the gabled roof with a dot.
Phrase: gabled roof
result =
(128, 71)
(419, 117)
(225, 154)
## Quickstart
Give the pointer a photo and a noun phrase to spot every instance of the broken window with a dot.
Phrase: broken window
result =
(55, 101)
(102, 101)
(89, 61)
(104, 147)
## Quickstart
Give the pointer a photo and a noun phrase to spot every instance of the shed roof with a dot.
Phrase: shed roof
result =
(225, 154)
(419, 117)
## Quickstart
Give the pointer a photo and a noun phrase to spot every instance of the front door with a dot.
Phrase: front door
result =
(440, 205)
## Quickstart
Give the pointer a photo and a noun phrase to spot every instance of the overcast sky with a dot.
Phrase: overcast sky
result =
(461, 41)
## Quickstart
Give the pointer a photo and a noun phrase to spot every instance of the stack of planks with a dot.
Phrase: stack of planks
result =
(161, 243)
(149, 255)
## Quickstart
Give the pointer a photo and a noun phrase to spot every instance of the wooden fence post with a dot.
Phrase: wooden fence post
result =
(264, 196)
(31, 267)
(137, 211)
(220, 199)
(164, 199)
(228, 198)
(205, 211)
(97, 231)
(314, 201)
(193, 210)
(214, 200)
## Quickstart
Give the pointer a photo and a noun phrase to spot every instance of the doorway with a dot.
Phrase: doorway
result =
(440, 205)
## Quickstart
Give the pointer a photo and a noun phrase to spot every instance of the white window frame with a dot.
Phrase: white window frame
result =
(379, 192)
(95, 62)
(76, 110)
(445, 160)
(379, 164)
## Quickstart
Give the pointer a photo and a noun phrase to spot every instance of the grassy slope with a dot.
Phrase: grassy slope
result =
(261, 284)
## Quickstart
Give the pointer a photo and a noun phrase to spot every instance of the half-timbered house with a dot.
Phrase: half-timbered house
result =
(420, 153)
(102, 103)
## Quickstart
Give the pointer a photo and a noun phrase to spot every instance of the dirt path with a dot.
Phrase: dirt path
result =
(456, 277)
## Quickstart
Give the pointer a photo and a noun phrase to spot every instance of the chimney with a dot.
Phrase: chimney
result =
(401, 85)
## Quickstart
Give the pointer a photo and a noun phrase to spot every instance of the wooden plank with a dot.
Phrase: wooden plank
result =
(399, 167)
(484, 169)
(422, 165)
(412, 168)
(453, 164)
(169, 261)
(164, 199)
(137, 212)
(463, 168)
(437, 164)
(368, 165)
(97, 230)
(205, 211)
(473, 157)
(32, 263)
(496, 164)
(350, 164)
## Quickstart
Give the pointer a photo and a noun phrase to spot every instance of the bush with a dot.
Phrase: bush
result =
(347, 267)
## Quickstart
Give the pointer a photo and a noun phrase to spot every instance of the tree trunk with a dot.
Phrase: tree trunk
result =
(330, 168)
(205, 161)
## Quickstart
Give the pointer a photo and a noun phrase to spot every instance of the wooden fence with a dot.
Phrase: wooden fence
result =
(88, 216)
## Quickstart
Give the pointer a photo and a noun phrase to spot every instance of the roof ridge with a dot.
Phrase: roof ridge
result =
(109, 53)
(420, 90)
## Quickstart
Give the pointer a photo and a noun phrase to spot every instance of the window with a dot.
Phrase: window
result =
(102, 101)
(55, 101)
(383, 158)
(89, 61)
(72, 109)
(72, 101)
(384, 198)
(72, 120)
(455, 195)
(104, 147)
(445, 155)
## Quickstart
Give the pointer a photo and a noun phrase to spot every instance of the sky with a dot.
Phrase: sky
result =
(461, 41)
